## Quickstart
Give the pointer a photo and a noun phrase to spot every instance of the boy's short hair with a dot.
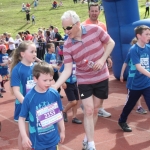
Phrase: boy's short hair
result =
(44, 68)
(49, 45)
(140, 29)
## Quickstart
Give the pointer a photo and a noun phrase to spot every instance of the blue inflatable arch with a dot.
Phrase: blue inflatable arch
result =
(122, 16)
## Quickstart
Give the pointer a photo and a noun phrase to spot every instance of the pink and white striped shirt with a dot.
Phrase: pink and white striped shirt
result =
(89, 48)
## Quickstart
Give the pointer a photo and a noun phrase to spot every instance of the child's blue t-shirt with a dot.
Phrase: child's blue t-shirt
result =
(72, 78)
(22, 77)
(40, 137)
(4, 69)
(138, 55)
(51, 59)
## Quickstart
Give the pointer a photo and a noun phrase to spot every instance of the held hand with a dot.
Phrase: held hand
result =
(121, 78)
(109, 62)
(62, 137)
(26, 143)
(64, 86)
(98, 64)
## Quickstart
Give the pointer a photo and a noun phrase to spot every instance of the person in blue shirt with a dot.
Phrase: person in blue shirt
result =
(50, 58)
(4, 62)
(140, 109)
(138, 82)
(43, 106)
(21, 78)
(71, 90)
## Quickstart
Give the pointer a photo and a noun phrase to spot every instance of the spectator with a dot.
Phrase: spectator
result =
(28, 5)
(23, 7)
(61, 3)
(18, 40)
(11, 44)
(75, 1)
(28, 15)
(41, 48)
(52, 33)
(33, 19)
(54, 5)
(35, 3)
(147, 4)
(27, 36)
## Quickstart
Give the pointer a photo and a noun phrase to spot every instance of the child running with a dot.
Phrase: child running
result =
(71, 90)
(140, 109)
(44, 107)
(138, 82)
(21, 76)
(50, 58)
(4, 62)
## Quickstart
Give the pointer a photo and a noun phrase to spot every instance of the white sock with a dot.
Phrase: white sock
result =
(91, 144)
(85, 139)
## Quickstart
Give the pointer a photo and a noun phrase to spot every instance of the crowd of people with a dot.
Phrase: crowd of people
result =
(79, 63)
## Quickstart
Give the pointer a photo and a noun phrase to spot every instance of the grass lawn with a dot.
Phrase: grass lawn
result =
(13, 19)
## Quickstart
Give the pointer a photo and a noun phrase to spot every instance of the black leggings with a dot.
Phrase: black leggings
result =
(147, 11)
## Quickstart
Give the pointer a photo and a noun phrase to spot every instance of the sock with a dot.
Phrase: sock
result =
(85, 139)
(139, 107)
(91, 144)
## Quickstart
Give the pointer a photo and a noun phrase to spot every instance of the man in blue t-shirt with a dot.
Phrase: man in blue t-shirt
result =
(138, 82)
(44, 108)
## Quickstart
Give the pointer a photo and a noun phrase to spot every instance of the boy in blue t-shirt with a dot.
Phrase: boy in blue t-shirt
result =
(44, 108)
(138, 82)
(71, 90)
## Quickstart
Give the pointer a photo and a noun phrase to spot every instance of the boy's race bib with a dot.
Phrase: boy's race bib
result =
(49, 115)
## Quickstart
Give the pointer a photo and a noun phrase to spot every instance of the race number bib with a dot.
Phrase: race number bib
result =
(49, 115)
(145, 63)
(30, 84)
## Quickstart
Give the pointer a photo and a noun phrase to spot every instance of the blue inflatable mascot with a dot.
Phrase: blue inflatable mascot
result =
(122, 16)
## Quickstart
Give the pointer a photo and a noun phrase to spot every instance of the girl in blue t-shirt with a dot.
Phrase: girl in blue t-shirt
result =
(50, 58)
(4, 61)
(21, 76)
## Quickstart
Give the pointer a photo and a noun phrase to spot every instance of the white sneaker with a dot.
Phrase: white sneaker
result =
(103, 113)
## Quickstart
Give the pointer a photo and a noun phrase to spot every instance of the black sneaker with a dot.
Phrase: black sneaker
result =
(77, 121)
(65, 117)
(124, 126)
(1, 96)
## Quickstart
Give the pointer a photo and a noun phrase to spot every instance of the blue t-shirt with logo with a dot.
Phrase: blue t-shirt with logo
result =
(72, 78)
(51, 59)
(136, 80)
(4, 69)
(41, 137)
(22, 77)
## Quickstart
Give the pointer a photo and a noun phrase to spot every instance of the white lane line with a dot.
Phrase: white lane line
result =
(114, 139)
(9, 119)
